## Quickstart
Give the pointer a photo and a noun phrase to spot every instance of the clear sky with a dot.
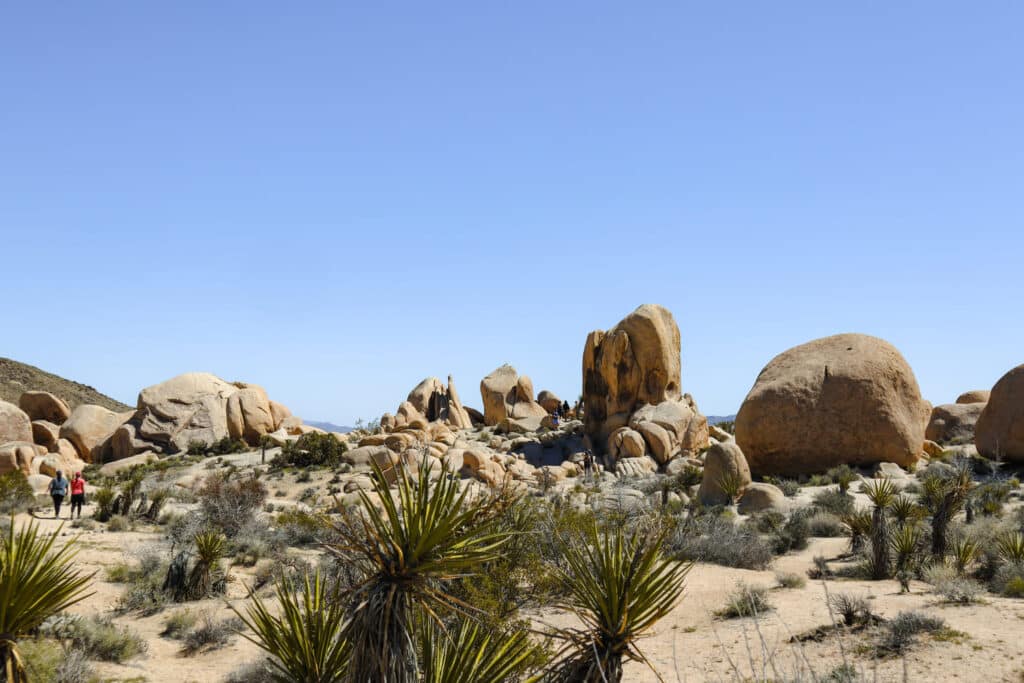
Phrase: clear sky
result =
(336, 200)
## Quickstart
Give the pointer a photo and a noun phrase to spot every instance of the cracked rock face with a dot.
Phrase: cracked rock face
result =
(849, 398)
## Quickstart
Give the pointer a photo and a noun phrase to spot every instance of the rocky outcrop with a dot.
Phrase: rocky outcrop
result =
(17, 455)
(975, 396)
(15, 424)
(999, 432)
(42, 405)
(432, 401)
(45, 434)
(549, 401)
(953, 422)
(631, 378)
(89, 427)
(507, 395)
(848, 398)
(722, 462)
(249, 415)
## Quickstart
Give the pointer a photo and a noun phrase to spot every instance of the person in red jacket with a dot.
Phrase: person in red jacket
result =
(77, 494)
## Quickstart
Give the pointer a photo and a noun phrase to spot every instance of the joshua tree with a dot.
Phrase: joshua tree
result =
(424, 536)
(619, 586)
(859, 523)
(881, 493)
(35, 583)
(944, 497)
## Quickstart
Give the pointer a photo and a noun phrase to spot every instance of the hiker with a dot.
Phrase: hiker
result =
(565, 408)
(588, 464)
(77, 494)
(58, 489)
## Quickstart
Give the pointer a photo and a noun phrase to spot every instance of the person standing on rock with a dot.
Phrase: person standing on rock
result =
(58, 489)
(77, 494)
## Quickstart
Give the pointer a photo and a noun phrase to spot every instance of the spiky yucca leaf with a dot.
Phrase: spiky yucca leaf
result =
(1011, 547)
(467, 654)
(881, 492)
(619, 586)
(426, 535)
(905, 541)
(36, 582)
(904, 510)
(305, 640)
(731, 483)
(859, 524)
(965, 551)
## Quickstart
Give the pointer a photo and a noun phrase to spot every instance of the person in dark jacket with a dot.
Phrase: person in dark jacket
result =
(58, 489)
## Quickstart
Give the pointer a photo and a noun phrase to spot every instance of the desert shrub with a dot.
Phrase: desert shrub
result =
(793, 535)
(100, 638)
(197, 447)
(15, 493)
(715, 539)
(790, 580)
(253, 672)
(842, 475)
(825, 525)
(103, 498)
(119, 523)
(959, 590)
(84, 523)
(767, 522)
(853, 609)
(1014, 587)
(1008, 580)
(311, 450)
(902, 631)
(47, 661)
(745, 601)
(228, 504)
(788, 487)
(209, 634)
(690, 476)
(304, 477)
(990, 497)
(834, 501)
(179, 623)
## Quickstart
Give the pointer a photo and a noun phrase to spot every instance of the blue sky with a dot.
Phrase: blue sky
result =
(337, 201)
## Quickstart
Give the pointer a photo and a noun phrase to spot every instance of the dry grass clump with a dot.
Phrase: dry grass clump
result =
(746, 600)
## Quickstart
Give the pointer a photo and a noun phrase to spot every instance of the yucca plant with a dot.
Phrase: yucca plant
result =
(209, 550)
(1011, 547)
(619, 586)
(945, 497)
(305, 639)
(859, 524)
(905, 510)
(731, 484)
(425, 536)
(468, 654)
(881, 493)
(843, 475)
(906, 541)
(104, 501)
(965, 551)
(36, 582)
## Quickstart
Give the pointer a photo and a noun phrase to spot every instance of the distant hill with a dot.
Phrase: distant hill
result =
(715, 419)
(329, 426)
(17, 378)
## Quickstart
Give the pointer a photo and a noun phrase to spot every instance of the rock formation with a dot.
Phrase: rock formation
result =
(953, 422)
(549, 401)
(15, 424)
(999, 432)
(42, 405)
(631, 385)
(722, 461)
(508, 396)
(975, 396)
(848, 398)
(89, 427)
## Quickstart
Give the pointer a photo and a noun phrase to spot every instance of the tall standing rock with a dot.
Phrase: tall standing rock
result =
(849, 398)
(15, 424)
(438, 403)
(507, 395)
(249, 414)
(631, 377)
(999, 432)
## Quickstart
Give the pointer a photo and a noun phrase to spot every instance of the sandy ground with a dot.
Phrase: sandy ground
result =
(691, 644)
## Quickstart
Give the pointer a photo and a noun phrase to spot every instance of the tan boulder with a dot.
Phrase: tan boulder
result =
(40, 483)
(409, 416)
(721, 461)
(999, 432)
(636, 467)
(975, 396)
(15, 424)
(249, 415)
(17, 455)
(626, 443)
(45, 433)
(42, 405)
(278, 413)
(66, 449)
(549, 401)
(480, 465)
(291, 425)
(760, 497)
(846, 399)
(189, 407)
(89, 427)
(124, 443)
(438, 403)
(932, 449)
(507, 395)
(388, 422)
(953, 422)
(53, 463)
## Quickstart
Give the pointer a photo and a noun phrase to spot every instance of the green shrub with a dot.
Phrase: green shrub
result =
(46, 661)
(793, 535)
(790, 580)
(100, 638)
(825, 525)
(179, 623)
(209, 634)
(119, 523)
(788, 487)
(1014, 587)
(313, 449)
(15, 493)
(717, 540)
(834, 501)
(298, 527)
(745, 601)
(902, 631)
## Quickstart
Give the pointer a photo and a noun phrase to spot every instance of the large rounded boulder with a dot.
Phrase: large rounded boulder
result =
(508, 396)
(999, 432)
(846, 399)
(89, 427)
(189, 407)
(974, 396)
(42, 405)
(15, 424)
(953, 422)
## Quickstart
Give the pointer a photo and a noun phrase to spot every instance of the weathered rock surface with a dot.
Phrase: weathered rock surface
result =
(17, 455)
(436, 402)
(999, 432)
(975, 396)
(42, 405)
(189, 407)
(760, 497)
(549, 401)
(849, 398)
(249, 415)
(88, 427)
(507, 395)
(631, 377)
(953, 422)
(45, 434)
(721, 461)
(15, 424)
